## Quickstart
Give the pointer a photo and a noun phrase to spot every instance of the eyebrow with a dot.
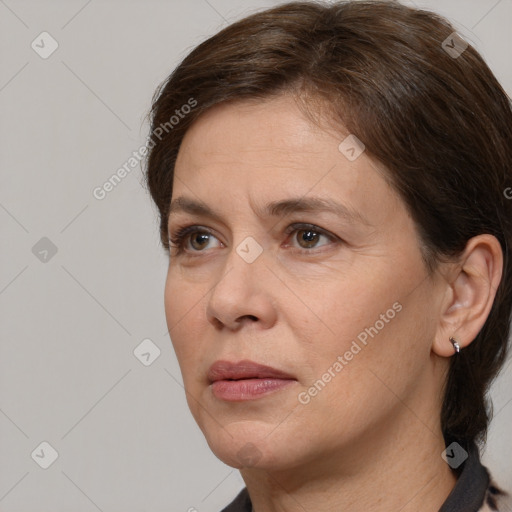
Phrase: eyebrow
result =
(274, 209)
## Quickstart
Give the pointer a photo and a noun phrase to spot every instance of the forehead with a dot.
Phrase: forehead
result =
(258, 130)
(266, 151)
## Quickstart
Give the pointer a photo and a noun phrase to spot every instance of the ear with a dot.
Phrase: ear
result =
(471, 288)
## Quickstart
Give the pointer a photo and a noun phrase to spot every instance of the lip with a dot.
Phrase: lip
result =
(225, 370)
(246, 380)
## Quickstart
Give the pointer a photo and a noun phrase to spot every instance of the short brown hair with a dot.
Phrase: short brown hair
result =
(441, 124)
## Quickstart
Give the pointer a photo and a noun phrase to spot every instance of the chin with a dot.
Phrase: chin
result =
(239, 444)
(245, 445)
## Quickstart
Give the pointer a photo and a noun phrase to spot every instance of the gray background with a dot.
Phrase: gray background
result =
(70, 323)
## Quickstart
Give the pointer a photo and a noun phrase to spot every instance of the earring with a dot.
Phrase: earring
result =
(455, 344)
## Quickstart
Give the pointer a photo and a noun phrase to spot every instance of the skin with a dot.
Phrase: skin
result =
(370, 440)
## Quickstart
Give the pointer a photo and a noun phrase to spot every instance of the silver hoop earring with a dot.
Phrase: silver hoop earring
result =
(455, 344)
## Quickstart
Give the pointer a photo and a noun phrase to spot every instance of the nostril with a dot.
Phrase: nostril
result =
(246, 319)
(217, 323)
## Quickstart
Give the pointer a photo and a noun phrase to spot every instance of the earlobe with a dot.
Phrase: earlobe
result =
(472, 289)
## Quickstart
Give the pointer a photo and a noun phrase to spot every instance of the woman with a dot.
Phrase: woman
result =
(331, 187)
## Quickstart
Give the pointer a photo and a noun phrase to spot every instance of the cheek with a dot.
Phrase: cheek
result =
(368, 319)
(183, 293)
(185, 314)
(379, 351)
(335, 307)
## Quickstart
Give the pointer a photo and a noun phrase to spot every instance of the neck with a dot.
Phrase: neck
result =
(406, 473)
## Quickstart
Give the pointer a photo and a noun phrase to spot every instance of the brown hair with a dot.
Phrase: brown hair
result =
(441, 124)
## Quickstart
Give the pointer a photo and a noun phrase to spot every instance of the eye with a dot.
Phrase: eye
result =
(192, 239)
(309, 236)
(197, 239)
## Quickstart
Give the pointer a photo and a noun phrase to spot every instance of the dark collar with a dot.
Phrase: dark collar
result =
(241, 503)
(467, 495)
(469, 492)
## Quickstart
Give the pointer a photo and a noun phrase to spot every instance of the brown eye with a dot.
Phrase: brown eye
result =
(307, 238)
(199, 240)
(190, 240)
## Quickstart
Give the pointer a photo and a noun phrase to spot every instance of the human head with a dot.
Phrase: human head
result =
(441, 126)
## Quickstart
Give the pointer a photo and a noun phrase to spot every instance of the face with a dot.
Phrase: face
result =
(291, 254)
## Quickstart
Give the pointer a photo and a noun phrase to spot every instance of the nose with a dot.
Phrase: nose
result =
(243, 294)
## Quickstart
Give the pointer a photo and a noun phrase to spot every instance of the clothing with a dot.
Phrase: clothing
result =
(473, 492)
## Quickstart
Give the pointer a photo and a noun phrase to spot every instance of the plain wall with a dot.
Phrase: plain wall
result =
(70, 321)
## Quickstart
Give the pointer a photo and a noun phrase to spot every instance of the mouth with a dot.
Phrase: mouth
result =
(246, 380)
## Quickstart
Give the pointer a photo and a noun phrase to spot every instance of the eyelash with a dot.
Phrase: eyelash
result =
(177, 241)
